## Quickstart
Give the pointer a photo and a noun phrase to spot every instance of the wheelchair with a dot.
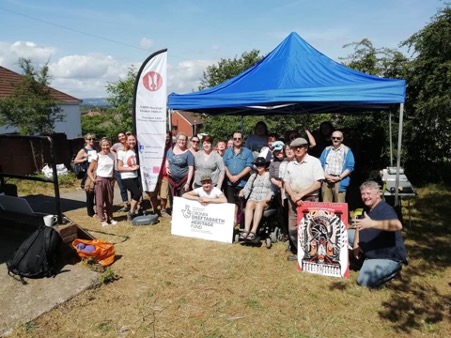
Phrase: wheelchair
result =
(269, 230)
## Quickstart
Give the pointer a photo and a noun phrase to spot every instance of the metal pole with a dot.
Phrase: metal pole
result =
(398, 155)
(169, 124)
(391, 141)
(55, 181)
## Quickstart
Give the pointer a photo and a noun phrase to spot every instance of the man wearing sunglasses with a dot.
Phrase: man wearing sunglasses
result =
(337, 161)
(238, 164)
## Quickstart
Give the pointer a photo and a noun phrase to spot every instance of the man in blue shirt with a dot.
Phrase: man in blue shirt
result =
(238, 164)
(377, 237)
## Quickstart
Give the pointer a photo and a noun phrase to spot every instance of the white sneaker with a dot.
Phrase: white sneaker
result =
(113, 222)
(104, 224)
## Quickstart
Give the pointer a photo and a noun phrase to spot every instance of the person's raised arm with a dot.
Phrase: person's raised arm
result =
(386, 225)
(311, 139)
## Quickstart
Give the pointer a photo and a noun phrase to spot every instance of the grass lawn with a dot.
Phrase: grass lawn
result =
(180, 287)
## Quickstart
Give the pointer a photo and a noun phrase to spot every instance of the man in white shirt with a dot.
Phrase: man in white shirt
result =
(207, 193)
(302, 182)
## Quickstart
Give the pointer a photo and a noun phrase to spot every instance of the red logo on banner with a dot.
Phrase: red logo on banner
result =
(152, 81)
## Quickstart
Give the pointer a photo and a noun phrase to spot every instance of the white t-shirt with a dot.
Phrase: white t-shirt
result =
(90, 154)
(128, 159)
(105, 165)
(214, 193)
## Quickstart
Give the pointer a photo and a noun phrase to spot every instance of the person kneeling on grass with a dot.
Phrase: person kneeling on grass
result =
(207, 193)
(377, 239)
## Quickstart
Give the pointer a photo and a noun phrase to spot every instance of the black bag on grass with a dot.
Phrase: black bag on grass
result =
(37, 256)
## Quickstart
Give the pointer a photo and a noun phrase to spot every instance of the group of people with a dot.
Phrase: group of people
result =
(261, 170)
(264, 168)
(103, 167)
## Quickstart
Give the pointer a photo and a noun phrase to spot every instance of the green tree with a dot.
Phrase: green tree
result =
(121, 100)
(429, 97)
(31, 109)
(370, 130)
(221, 127)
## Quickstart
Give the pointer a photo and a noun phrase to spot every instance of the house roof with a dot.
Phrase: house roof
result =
(9, 80)
(192, 118)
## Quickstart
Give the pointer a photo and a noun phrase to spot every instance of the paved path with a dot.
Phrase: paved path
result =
(71, 200)
(19, 303)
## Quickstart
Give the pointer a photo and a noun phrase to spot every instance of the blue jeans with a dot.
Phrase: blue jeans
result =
(375, 272)
(122, 189)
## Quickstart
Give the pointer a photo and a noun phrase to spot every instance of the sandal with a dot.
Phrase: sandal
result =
(251, 236)
(243, 236)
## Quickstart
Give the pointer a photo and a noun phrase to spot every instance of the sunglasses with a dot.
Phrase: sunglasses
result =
(90, 139)
(237, 138)
(336, 138)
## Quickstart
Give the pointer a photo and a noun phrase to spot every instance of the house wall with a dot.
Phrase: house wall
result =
(71, 125)
(182, 125)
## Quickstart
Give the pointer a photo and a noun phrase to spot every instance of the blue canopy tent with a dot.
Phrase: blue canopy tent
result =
(295, 78)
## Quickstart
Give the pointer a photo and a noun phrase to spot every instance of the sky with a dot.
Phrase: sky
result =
(89, 44)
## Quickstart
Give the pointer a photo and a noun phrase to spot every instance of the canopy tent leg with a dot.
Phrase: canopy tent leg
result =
(398, 155)
(391, 140)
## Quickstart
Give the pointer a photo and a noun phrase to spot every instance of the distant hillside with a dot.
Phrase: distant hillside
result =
(95, 102)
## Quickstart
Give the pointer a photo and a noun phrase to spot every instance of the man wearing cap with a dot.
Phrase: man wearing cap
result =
(337, 161)
(302, 182)
(207, 193)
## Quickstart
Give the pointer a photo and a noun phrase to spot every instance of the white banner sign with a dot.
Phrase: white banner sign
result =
(212, 222)
(150, 117)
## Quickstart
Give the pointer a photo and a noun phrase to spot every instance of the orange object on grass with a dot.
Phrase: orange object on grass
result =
(103, 251)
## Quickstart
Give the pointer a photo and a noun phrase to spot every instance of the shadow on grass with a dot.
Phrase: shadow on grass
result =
(415, 302)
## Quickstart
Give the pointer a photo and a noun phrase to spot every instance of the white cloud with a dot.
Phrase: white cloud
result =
(185, 76)
(80, 66)
(11, 52)
(87, 76)
(146, 43)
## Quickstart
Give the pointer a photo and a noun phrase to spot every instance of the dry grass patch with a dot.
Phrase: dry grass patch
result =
(172, 286)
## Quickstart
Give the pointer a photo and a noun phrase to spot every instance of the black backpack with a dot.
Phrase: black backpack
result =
(37, 256)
